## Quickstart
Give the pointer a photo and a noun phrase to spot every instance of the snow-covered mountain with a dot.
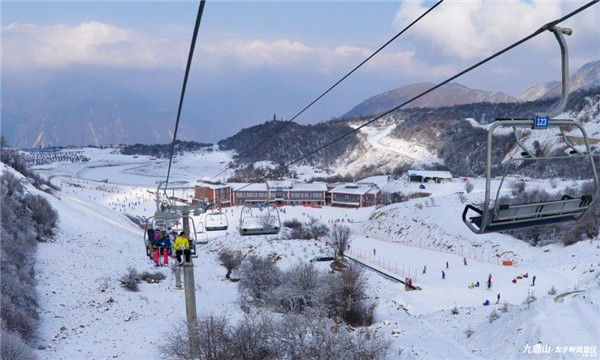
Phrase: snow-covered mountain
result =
(86, 313)
(448, 95)
(586, 77)
(70, 109)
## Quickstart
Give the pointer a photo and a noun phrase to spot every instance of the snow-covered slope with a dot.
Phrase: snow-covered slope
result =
(85, 313)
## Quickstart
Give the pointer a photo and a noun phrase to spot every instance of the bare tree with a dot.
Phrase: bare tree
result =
(340, 239)
(208, 339)
(259, 277)
(231, 260)
(301, 288)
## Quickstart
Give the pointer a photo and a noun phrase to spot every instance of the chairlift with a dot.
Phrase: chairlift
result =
(215, 221)
(498, 216)
(201, 236)
(263, 220)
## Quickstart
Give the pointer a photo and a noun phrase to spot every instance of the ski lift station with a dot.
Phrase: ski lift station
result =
(430, 177)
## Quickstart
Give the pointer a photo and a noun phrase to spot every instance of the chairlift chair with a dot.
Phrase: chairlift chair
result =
(259, 221)
(215, 221)
(499, 217)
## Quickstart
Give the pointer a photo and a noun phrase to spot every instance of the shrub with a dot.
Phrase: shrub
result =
(300, 288)
(295, 336)
(493, 316)
(313, 230)
(231, 260)
(469, 331)
(292, 224)
(469, 187)
(530, 298)
(14, 348)
(209, 338)
(255, 338)
(505, 307)
(152, 277)
(313, 336)
(259, 277)
(552, 291)
(131, 280)
(455, 310)
(347, 298)
(517, 187)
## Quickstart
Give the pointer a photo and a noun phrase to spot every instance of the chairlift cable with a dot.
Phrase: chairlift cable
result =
(185, 79)
(510, 47)
(276, 131)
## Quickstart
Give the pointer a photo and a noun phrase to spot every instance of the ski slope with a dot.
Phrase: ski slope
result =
(85, 313)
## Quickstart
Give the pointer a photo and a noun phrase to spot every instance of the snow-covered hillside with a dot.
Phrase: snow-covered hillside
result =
(85, 313)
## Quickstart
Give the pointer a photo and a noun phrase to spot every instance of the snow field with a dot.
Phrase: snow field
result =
(85, 313)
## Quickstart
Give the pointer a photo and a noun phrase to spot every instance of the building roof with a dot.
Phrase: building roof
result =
(248, 186)
(356, 189)
(273, 184)
(316, 186)
(431, 174)
(212, 185)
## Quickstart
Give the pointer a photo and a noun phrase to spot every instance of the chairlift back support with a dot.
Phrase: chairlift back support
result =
(215, 221)
(259, 220)
(505, 217)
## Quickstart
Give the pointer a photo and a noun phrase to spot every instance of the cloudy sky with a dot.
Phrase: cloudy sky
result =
(254, 59)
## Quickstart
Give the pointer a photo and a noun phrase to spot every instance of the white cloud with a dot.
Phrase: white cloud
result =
(477, 28)
(94, 43)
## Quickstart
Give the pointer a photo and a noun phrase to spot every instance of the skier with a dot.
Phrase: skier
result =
(533, 283)
(182, 246)
(465, 261)
(156, 247)
(164, 246)
(498, 297)
(446, 264)
(443, 274)
(424, 269)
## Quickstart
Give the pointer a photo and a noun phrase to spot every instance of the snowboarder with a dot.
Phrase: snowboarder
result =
(465, 261)
(533, 283)
(498, 297)
(487, 303)
(514, 281)
(443, 274)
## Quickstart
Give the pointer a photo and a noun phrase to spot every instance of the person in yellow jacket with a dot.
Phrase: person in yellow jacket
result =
(182, 246)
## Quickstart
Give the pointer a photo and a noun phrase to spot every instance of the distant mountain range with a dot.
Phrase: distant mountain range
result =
(70, 109)
(456, 94)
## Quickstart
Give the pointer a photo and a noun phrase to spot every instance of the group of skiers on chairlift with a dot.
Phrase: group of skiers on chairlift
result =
(164, 242)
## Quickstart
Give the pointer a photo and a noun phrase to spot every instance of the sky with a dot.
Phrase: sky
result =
(256, 59)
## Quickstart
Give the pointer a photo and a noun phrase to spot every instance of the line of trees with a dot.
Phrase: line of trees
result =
(26, 220)
(164, 150)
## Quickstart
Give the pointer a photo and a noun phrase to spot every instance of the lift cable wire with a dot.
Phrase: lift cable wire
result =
(276, 131)
(185, 79)
(546, 27)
